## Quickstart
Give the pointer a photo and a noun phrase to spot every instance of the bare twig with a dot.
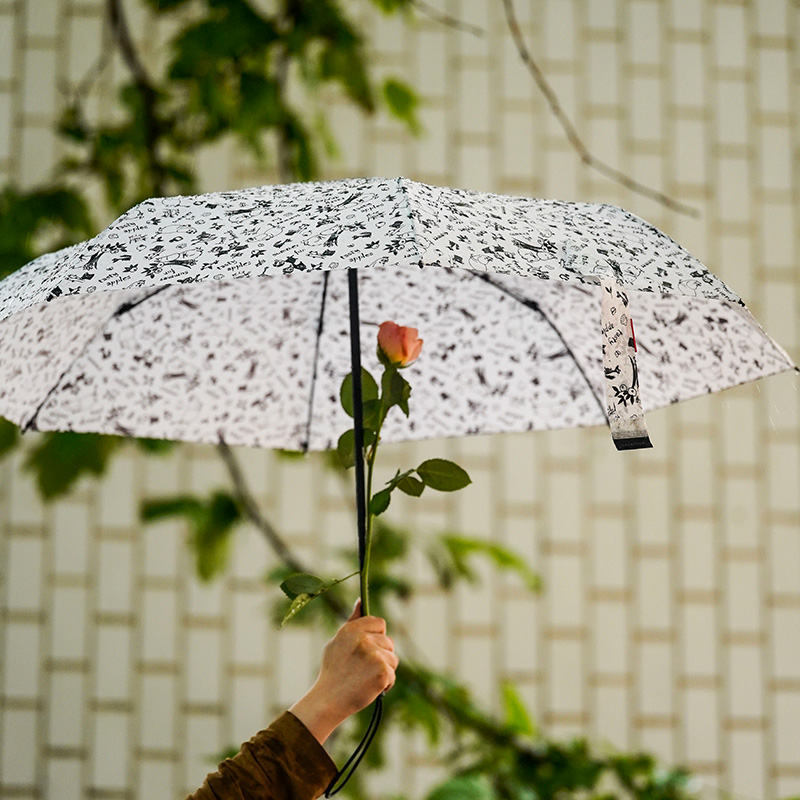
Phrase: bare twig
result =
(145, 85)
(84, 86)
(445, 19)
(570, 131)
(285, 172)
(119, 26)
(248, 503)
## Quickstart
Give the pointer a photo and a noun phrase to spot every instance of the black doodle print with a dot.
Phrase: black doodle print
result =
(194, 316)
(365, 223)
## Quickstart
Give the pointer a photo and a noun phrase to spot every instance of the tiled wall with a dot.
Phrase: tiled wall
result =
(671, 616)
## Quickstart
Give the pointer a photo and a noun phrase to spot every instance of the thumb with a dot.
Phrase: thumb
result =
(356, 610)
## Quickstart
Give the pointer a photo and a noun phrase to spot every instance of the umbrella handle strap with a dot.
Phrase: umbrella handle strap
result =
(359, 752)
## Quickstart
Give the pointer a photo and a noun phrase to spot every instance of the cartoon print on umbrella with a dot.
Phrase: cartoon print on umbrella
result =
(628, 394)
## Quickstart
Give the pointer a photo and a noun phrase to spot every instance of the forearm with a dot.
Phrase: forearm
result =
(315, 712)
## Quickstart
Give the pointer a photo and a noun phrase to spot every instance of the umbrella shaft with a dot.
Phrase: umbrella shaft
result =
(361, 508)
(358, 429)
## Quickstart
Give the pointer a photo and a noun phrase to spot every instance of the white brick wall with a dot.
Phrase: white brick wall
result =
(671, 616)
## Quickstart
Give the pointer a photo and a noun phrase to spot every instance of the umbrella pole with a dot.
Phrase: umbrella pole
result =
(358, 429)
(361, 512)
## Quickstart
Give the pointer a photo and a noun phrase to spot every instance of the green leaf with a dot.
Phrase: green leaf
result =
(302, 583)
(369, 390)
(372, 412)
(59, 460)
(411, 486)
(219, 42)
(383, 583)
(299, 602)
(261, 107)
(397, 477)
(187, 506)
(290, 455)
(71, 124)
(396, 389)
(516, 715)
(330, 460)
(448, 563)
(346, 446)
(212, 537)
(211, 523)
(31, 220)
(389, 6)
(278, 573)
(9, 436)
(460, 547)
(415, 709)
(340, 60)
(402, 102)
(443, 475)
(156, 446)
(392, 543)
(219, 757)
(166, 5)
(463, 787)
(380, 502)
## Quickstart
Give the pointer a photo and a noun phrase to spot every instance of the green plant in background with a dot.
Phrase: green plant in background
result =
(237, 71)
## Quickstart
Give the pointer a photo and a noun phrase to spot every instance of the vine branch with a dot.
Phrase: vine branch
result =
(248, 503)
(569, 128)
(145, 85)
(446, 19)
(285, 173)
(84, 85)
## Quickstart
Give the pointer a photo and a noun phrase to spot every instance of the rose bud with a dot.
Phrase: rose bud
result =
(400, 345)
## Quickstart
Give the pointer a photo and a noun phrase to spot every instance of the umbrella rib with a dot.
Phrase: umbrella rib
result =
(307, 441)
(534, 306)
(30, 425)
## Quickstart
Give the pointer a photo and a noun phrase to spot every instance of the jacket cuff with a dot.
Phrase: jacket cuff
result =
(318, 768)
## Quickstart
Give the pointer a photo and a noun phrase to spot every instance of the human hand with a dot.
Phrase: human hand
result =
(358, 663)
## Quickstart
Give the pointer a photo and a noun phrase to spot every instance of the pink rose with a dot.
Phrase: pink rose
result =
(400, 345)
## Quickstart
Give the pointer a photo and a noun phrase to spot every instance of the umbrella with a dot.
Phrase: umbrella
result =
(226, 313)
(235, 316)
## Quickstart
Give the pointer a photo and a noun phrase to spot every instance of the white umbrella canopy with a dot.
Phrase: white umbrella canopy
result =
(226, 315)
